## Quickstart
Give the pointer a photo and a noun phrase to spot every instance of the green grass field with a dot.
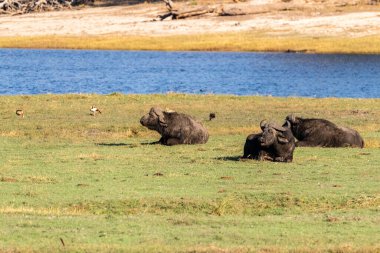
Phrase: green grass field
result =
(71, 182)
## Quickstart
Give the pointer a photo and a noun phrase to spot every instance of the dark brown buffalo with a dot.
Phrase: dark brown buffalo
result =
(175, 128)
(275, 143)
(323, 133)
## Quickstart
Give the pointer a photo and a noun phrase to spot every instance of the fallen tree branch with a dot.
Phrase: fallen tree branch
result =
(192, 13)
(181, 14)
(240, 12)
(220, 11)
(164, 16)
(169, 4)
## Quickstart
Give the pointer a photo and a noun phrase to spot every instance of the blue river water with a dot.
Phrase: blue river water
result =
(142, 72)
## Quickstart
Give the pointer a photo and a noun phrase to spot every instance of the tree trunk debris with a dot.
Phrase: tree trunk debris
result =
(192, 12)
(15, 7)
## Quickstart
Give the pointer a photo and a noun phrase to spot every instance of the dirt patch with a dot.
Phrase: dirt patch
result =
(8, 179)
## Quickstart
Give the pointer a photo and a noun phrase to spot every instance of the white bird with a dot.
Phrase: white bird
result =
(94, 110)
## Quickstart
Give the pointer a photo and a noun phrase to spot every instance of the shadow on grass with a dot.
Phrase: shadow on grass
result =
(229, 158)
(151, 143)
(126, 144)
(115, 144)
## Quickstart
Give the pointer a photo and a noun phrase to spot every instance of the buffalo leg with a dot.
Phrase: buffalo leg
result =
(264, 156)
(279, 159)
(283, 159)
(304, 144)
(172, 141)
(162, 141)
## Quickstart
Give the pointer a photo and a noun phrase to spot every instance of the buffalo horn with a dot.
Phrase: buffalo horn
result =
(278, 128)
(160, 115)
(287, 124)
(291, 117)
(263, 124)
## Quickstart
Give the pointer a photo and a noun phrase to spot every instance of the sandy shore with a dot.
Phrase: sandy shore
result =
(271, 18)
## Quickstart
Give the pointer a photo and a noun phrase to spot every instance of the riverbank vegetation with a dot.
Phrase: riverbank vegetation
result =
(243, 41)
(75, 182)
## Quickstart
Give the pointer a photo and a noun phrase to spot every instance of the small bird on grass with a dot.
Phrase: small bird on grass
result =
(212, 116)
(94, 110)
(20, 113)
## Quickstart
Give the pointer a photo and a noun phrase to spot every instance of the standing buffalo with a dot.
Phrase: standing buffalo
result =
(323, 133)
(175, 128)
(275, 143)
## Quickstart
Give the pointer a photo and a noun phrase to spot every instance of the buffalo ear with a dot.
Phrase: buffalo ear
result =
(162, 121)
(281, 138)
(161, 116)
(291, 118)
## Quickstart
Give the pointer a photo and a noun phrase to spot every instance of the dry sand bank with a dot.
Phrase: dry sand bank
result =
(272, 18)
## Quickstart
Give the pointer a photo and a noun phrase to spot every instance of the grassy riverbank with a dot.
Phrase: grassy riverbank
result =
(73, 182)
(243, 41)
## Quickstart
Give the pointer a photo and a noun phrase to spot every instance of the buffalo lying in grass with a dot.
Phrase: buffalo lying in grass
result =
(275, 143)
(322, 133)
(175, 128)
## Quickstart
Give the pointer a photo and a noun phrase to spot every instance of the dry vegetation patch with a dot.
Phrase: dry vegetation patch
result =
(294, 26)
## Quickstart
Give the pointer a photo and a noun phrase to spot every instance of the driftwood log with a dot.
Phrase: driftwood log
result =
(181, 14)
(192, 13)
(175, 13)
(231, 12)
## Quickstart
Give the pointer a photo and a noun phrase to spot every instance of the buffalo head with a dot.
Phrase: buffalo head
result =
(272, 133)
(154, 120)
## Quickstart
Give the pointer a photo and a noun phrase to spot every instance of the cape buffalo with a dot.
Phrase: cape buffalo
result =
(275, 143)
(323, 133)
(175, 128)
